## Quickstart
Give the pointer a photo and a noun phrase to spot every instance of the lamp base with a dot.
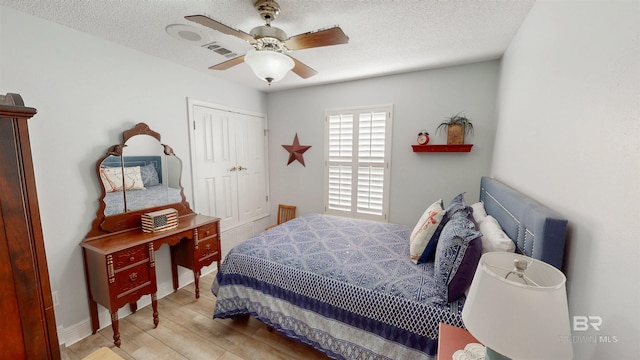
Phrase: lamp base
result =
(492, 355)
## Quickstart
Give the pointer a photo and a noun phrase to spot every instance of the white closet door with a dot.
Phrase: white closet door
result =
(251, 160)
(229, 164)
(215, 171)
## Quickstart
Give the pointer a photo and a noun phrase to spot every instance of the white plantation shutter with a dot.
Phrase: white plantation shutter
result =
(340, 187)
(357, 162)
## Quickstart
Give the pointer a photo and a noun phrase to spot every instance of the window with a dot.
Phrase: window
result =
(357, 153)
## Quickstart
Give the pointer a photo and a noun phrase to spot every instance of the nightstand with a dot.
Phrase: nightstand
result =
(452, 339)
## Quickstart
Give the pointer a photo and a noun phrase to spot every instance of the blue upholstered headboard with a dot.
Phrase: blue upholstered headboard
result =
(114, 161)
(538, 231)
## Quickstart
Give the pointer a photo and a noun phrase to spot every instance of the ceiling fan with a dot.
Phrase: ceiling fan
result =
(269, 59)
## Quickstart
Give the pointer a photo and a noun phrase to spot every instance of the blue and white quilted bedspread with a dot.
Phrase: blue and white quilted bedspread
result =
(150, 196)
(344, 286)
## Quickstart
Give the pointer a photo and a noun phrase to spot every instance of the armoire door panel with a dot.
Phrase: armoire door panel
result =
(12, 344)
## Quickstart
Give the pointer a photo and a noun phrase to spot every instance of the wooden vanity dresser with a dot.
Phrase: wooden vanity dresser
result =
(119, 257)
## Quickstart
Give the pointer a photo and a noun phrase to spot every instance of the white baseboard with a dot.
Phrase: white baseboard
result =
(72, 334)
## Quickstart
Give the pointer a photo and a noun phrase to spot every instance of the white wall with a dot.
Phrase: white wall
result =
(569, 135)
(421, 100)
(87, 91)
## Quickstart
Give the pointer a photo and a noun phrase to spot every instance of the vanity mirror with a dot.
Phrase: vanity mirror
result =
(139, 175)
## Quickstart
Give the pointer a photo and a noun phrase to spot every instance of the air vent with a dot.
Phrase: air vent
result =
(220, 50)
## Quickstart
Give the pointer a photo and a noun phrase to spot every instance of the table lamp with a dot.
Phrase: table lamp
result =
(517, 307)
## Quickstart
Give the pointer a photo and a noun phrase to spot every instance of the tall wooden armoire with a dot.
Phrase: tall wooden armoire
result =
(27, 324)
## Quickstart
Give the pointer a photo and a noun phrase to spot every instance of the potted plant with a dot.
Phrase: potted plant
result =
(457, 126)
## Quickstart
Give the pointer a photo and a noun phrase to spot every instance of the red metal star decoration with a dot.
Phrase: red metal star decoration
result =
(296, 150)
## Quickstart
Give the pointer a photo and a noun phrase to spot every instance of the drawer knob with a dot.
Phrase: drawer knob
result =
(208, 247)
(132, 258)
(207, 232)
(133, 276)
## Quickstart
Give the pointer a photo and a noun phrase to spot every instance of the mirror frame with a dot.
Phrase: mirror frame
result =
(104, 224)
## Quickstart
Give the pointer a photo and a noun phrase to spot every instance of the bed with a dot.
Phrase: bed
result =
(148, 186)
(350, 289)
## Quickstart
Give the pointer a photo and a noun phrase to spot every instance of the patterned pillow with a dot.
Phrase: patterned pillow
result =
(457, 204)
(112, 178)
(457, 256)
(149, 175)
(424, 237)
(457, 207)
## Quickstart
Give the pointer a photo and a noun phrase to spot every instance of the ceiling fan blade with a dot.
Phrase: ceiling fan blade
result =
(302, 70)
(312, 39)
(215, 25)
(227, 64)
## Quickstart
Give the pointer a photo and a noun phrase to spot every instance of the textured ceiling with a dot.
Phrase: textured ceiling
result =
(385, 36)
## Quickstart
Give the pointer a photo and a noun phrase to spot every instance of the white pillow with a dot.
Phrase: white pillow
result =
(479, 213)
(424, 230)
(112, 178)
(493, 238)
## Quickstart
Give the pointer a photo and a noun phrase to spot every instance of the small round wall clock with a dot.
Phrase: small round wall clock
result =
(423, 137)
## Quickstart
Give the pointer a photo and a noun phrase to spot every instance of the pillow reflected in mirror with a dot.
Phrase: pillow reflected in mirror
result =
(113, 179)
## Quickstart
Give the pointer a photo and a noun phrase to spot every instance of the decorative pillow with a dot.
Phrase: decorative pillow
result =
(424, 237)
(457, 204)
(457, 256)
(112, 178)
(479, 213)
(494, 238)
(149, 175)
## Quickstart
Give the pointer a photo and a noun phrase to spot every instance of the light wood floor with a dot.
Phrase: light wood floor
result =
(187, 331)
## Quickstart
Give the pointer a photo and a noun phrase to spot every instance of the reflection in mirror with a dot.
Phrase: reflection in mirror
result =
(111, 178)
(146, 176)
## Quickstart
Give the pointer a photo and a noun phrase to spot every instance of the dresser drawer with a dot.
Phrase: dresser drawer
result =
(206, 231)
(132, 279)
(208, 248)
(130, 256)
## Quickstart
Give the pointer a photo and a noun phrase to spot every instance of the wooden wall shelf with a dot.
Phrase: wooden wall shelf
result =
(442, 148)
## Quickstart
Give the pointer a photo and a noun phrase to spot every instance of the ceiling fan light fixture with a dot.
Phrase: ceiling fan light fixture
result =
(268, 65)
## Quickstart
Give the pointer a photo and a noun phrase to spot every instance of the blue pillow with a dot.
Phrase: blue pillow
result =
(457, 205)
(149, 175)
(457, 256)
(429, 252)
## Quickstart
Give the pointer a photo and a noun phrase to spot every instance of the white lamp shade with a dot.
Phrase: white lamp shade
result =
(517, 320)
(269, 65)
